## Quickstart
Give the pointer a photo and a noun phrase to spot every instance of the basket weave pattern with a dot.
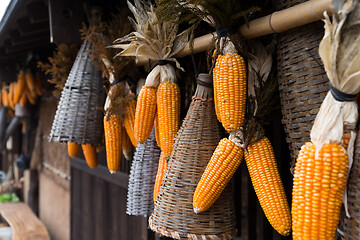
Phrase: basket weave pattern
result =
(78, 116)
(302, 79)
(352, 225)
(173, 214)
(142, 178)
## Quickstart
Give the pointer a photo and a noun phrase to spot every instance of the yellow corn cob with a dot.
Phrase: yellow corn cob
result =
(215, 75)
(112, 129)
(168, 105)
(23, 98)
(11, 95)
(317, 192)
(126, 144)
(90, 155)
(30, 82)
(267, 183)
(156, 126)
(145, 113)
(230, 89)
(38, 84)
(73, 149)
(29, 97)
(160, 175)
(0, 99)
(19, 87)
(345, 140)
(223, 163)
(129, 121)
(5, 97)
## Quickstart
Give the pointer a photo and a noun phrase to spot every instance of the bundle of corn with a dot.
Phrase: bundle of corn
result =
(142, 178)
(155, 40)
(78, 117)
(120, 104)
(195, 142)
(322, 165)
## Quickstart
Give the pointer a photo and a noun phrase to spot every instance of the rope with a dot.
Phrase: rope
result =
(341, 96)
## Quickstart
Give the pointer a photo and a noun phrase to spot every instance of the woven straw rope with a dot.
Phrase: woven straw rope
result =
(142, 178)
(173, 214)
(78, 116)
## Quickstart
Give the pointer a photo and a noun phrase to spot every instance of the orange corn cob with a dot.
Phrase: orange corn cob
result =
(90, 155)
(168, 105)
(156, 126)
(112, 129)
(317, 192)
(29, 97)
(23, 127)
(223, 163)
(267, 183)
(73, 149)
(30, 82)
(19, 87)
(38, 84)
(23, 98)
(145, 113)
(216, 103)
(230, 89)
(11, 95)
(345, 140)
(5, 97)
(160, 175)
(126, 144)
(129, 121)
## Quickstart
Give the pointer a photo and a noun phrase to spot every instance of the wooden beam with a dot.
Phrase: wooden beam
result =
(11, 49)
(38, 12)
(18, 39)
(26, 27)
(23, 222)
(120, 179)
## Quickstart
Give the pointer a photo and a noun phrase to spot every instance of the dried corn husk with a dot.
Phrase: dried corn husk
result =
(340, 53)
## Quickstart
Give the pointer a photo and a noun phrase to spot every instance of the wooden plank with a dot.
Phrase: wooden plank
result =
(23, 222)
(244, 203)
(87, 216)
(100, 220)
(120, 179)
(75, 204)
(124, 219)
(113, 208)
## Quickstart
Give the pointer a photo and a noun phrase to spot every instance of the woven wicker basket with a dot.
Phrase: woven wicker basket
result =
(197, 138)
(142, 178)
(352, 225)
(303, 82)
(78, 116)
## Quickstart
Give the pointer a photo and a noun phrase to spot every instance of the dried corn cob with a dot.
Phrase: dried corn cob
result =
(73, 149)
(90, 154)
(20, 87)
(29, 97)
(4, 97)
(38, 84)
(168, 105)
(160, 174)
(129, 121)
(223, 163)
(112, 129)
(156, 126)
(145, 113)
(345, 140)
(126, 144)
(11, 95)
(23, 98)
(230, 90)
(30, 82)
(265, 178)
(317, 193)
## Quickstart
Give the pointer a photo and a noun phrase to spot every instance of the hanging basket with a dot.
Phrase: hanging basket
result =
(79, 116)
(302, 79)
(195, 143)
(142, 178)
(352, 225)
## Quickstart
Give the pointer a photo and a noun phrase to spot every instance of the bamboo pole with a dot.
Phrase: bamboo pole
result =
(276, 22)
